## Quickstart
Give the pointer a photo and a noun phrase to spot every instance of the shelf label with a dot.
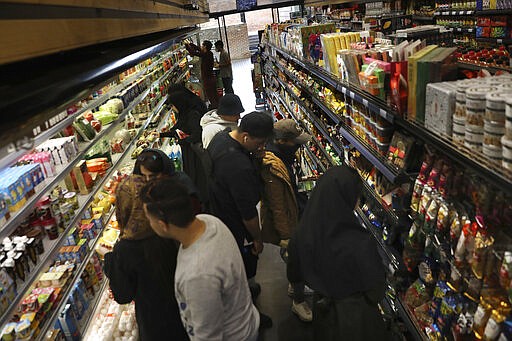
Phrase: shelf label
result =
(352, 95)
(383, 113)
(454, 13)
(499, 41)
(365, 102)
(344, 90)
(401, 34)
(469, 12)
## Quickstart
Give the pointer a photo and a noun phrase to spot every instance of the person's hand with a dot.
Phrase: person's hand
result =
(257, 247)
(284, 243)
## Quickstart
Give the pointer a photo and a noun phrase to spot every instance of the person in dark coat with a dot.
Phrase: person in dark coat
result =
(141, 266)
(339, 260)
(190, 110)
(208, 78)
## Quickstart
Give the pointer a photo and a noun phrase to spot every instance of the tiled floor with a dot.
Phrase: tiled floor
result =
(274, 300)
(242, 83)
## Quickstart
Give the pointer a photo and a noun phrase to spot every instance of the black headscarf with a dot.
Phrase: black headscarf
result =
(190, 111)
(168, 166)
(337, 256)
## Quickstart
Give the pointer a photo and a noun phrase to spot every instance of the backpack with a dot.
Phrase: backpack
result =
(207, 168)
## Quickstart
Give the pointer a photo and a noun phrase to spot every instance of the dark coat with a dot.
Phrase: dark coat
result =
(143, 271)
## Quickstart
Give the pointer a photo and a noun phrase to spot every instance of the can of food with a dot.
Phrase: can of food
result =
(475, 97)
(508, 118)
(459, 129)
(495, 106)
(493, 152)
(460, 104)
(493, 133)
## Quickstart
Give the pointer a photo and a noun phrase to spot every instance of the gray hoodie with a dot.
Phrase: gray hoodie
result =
(212, 123)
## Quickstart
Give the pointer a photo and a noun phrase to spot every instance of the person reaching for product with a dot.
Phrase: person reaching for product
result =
(141, 266)
(217, 120)
(339, 260)
(210, 281)
(208, 78)
(279, 206)
(189, 111)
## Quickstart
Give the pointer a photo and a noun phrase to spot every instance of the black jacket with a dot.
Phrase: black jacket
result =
(143, 271)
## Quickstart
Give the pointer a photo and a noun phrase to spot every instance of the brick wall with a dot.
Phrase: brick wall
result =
(237, 37)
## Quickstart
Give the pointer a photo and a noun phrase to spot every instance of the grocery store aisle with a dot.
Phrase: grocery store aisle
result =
(242, 83)
(274, 300)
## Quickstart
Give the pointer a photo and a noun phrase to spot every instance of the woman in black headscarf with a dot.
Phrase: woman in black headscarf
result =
(340, 261)
(190, 110)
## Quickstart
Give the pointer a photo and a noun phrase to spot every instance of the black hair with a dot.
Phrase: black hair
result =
(257, 124)
(151, 160)
(219, 44)
(169, 201)
(207, 44)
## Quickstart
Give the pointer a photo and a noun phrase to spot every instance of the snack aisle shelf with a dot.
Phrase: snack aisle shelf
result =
(318, 144)
(476, 67)
(496, 175)
(453, 12)
(377, 160)
(334, 143)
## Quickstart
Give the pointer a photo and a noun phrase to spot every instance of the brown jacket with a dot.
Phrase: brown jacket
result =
(279, 211)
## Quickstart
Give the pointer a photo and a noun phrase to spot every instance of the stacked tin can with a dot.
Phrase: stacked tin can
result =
(506, 140)
(459, 117)
(475, 112)
(494, 124)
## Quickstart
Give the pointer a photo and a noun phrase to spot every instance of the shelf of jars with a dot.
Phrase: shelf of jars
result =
(150, 99)
(481, 164)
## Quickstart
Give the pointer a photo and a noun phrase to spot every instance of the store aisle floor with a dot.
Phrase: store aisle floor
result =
(274, 300)
(242, 83)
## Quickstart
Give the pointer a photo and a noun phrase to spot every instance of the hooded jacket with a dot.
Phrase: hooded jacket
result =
(279, 211)
(212, 123)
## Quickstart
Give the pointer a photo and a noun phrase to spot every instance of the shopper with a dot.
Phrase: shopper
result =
(236, 184)
(340, 261)
(216, 120)
(210, 281)
(279, 205)
(141, 266)
(207, 76)
(226, 73)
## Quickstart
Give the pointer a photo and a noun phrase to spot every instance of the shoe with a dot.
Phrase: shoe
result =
(265, 321)
(255, 289)
(307, 290)
(303, 311)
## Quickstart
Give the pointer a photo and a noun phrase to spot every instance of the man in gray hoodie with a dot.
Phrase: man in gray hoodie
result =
(226, 116)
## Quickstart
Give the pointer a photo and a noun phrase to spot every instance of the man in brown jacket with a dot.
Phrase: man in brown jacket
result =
(279, 208)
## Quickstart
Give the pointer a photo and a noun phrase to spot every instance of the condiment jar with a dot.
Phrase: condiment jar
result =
(72, 199)
(37, 235)
(50, 227)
